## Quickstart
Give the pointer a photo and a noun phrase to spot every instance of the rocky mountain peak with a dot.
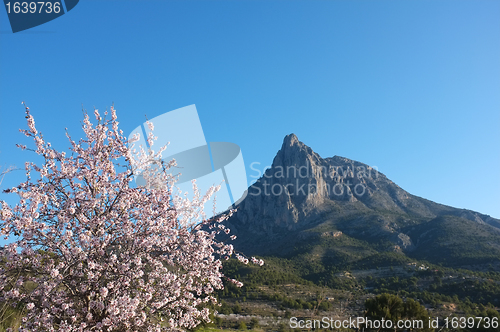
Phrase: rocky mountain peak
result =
(293, 152)
(290, 141)
(302, 190)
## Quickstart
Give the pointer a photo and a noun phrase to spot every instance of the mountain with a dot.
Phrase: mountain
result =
(345, 212)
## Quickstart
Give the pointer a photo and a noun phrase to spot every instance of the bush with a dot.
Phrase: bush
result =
(254, 323)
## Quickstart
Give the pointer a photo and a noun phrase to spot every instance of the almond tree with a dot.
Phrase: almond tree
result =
(95, 253)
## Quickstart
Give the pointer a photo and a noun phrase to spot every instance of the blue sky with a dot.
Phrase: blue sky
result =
(412, 87)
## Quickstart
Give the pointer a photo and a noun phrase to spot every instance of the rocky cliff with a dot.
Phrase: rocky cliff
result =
(303, 196)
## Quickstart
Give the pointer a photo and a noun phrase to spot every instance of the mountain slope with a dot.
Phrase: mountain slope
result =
(346, 211)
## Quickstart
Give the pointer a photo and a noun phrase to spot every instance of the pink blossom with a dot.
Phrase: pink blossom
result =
(104, 291)
(54, 273)
(150, 125)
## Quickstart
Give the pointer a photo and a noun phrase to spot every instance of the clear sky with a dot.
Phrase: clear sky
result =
(412, 87)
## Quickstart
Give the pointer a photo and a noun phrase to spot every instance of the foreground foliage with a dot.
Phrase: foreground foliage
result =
(90, 252)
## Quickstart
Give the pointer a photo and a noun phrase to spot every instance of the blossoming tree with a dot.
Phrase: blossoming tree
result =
(94, 253)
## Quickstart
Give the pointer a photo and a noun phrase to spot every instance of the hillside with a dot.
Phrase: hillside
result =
(328, 250)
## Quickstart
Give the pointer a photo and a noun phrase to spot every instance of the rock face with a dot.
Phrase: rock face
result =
(303, 192)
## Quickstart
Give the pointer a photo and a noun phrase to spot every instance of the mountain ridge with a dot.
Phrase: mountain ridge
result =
(303, 192)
